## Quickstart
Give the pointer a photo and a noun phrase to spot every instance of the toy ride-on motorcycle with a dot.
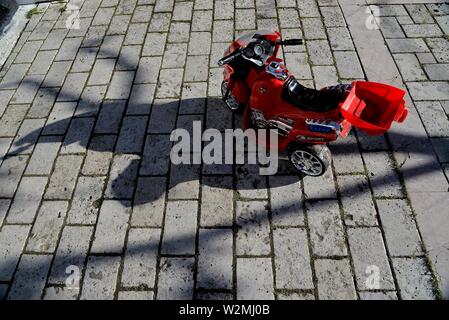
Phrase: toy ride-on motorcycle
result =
(258, 83)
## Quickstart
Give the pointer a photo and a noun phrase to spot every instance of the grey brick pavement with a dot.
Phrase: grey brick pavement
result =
(85, 118)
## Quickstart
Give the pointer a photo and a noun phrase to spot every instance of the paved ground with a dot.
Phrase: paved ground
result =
(87, 188)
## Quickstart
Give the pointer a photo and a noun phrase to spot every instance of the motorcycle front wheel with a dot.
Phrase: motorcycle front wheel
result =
(229, 98)
(310, 160)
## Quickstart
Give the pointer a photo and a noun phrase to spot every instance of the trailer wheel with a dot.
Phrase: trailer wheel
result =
(229, 98)
(311, 160)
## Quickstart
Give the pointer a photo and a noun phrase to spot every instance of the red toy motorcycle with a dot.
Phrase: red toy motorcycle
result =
(257, 82)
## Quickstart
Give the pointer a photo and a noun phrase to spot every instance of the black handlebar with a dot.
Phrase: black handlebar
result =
(229, 58)
(290, 42)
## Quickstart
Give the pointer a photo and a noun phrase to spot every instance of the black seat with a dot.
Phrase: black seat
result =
(314, 100)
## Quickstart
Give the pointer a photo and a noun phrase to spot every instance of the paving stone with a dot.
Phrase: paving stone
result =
(222, 32)
(11, 170)
(110, 116)
(378, 295)
(414, 279)
(59, 118)
(437, 71)
(407, 45)
(103, 16)
(122, 177)
(102, 71)
(170, 81)
(148, 70)
(180, 227)
(292, 260)
(215, 78)
(175, 279)
(441, 147)
(135, 295)
(356, 199)
(175, 55)
(286, 201)
(78, 135)
(216, 201)
(326, 230)
(159, 22)
(29, 281)
(332, 17)
(47, 227)
(183, 11)
(84, 60)
(56, 75)
(322, 187)
(141, 99)
(27, 199)
(63, 179)
(245, 19)
(253, 233)
(335, 280)
(120, 85)
(265, 8)
(118, 25)
(156, 155)
(100, 279)
(370, 259)
(224, 9)
(192, 99)
(72, 252)
(163, 116)
(419, 13)
(215, 259)
(422, 30)
(149, 202)
(11, 120)
(200, 43)
(308, 8)
(202, 21)
(4, 205)
(429, 90)
(27, 90)
(86, 200)
(184, 182)
(5, 143)
(43, 103)
(141, 258)
(60, 293)
(313, 28)
(196, 68)
(135, 34)
(439, 47)
(68, 49)
(27, 136)
(324, 76)
(154, 44)
(381, 172)
(179, 32)
(42, 62)
(410, 67)
(298, 65)
(14, 76)
(28, 51)
(320, 52)
(348, 65)
(268, 24)
(210, 295)
(54, 39)
(132, 134)
(433, 117)
(111, 227)
(295, 296)
(94, 36)
(44, 154)
(254, 279)
(399, 227)
(3, 290)
(390, 27)
(5, 97)
(12, 241)
(129, 58)
(99, 155)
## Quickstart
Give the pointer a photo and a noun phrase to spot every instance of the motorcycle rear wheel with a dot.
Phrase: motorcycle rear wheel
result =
(310, 160)
(229, 98)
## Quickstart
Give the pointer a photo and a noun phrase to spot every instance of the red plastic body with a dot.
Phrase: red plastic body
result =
(370, 106)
